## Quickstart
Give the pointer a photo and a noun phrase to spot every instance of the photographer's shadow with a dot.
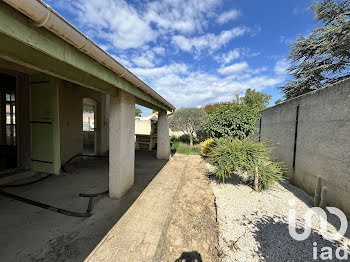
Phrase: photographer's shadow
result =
(193, 256)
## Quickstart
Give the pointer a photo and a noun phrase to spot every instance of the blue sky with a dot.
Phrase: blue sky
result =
(195, 52)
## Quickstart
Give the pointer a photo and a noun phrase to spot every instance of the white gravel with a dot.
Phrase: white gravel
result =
(259, 221)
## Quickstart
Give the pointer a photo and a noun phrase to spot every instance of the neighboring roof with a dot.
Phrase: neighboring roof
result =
(154, 116)
(44, 16)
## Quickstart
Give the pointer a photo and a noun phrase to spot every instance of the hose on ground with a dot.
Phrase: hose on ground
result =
(26, 184)
(45, 206)
(78, 155)
(91, 198)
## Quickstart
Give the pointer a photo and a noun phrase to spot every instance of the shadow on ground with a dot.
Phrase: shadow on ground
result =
(193, 256)
(271, 232)
(234, 180)
(29, 233)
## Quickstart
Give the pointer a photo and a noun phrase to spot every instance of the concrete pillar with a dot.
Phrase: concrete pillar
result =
(121, 143)
(163, 141)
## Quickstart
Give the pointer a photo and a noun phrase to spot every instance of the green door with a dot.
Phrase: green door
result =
(45, 124)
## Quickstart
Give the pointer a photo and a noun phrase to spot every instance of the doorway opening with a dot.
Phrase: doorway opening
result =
(89, 128)
(8, 141)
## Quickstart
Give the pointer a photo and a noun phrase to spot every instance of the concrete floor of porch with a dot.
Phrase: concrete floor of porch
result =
(29, 233)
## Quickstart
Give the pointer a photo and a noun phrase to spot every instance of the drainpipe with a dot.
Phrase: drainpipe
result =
(44, 16)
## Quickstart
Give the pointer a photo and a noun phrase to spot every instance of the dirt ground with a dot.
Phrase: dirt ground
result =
(192, 233)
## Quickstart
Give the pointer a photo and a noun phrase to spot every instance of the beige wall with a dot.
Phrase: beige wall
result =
(71, 119)
(142, 127)
(323, 140)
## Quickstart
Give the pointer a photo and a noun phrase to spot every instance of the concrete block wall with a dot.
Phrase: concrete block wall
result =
(322, 144)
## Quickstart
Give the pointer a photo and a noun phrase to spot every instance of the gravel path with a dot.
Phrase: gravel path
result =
(259, 221)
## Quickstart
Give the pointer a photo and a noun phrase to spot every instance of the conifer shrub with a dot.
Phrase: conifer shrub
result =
(241, 157)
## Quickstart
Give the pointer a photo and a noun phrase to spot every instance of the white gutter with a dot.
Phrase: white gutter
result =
(44, 16)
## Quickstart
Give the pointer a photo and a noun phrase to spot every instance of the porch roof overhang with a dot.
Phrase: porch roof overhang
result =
(40, 46)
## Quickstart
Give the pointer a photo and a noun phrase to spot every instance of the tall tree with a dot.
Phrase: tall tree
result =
(189, 120)
(235, 120)
(323, 57)
(256, 99)
(210, 108)
(279, 101)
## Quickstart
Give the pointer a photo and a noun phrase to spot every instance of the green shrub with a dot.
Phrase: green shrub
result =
(185, 139)
(242, 156)
(269, 173)
(233, 120)
(201, 135)
(207, 145)
(174, 144)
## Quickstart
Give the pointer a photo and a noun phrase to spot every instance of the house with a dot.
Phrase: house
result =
(62, 95)
(146, 132)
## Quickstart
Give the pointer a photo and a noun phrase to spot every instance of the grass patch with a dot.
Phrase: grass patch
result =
(185, 149)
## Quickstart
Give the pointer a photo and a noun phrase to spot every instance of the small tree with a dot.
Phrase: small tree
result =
(189, 120)
(237, 121)
(138, 112)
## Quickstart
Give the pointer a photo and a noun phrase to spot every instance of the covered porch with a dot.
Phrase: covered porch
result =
(49, 72)
(65, 100)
